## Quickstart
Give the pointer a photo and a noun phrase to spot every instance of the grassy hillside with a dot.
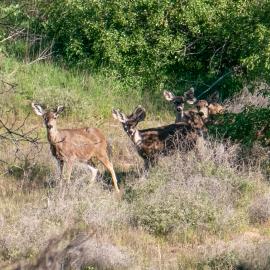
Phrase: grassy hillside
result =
(83, 94)
(203, 210)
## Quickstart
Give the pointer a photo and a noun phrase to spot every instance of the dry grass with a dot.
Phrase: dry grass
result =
(187, 200)
(245, 98)
(79, 250)
(259, 210)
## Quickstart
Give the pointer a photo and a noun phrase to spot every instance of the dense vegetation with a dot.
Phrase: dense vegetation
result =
(153, 43)
(248, 126)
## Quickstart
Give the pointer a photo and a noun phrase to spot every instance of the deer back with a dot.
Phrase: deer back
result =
(78, 144)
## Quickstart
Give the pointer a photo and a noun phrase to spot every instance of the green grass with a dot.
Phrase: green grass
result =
(83, 94)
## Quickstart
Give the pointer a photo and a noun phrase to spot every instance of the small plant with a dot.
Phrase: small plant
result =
(226, 261)
(259, 210)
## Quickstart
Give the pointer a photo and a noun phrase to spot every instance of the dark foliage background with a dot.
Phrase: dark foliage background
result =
(155, 44)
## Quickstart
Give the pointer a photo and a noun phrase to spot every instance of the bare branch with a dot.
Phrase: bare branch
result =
(13, 35)
(215, 83)
(46, 53)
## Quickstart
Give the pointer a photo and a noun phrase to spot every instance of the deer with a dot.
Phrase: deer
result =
(208, 109)
(204, 108)
(75, 145)
(152, 142)
(179, 103)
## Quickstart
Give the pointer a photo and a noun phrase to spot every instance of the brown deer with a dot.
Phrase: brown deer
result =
(179, 103)
(152, 142)
(204, 108)
(207, 109)
(71, 145)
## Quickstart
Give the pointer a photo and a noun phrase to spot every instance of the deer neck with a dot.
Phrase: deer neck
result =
(179, 116)
(137, 138)
(53, 135)
(134, 135)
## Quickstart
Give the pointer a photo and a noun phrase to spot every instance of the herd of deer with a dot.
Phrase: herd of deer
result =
(81, 145)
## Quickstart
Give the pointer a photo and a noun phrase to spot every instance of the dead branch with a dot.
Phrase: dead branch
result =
(13, 35)
(46, 53)
(10, 86)
(215, 83)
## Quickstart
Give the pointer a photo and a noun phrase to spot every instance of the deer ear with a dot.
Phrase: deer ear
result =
(59, 110)
(37, 109)
(214, 97)
(189, 96)
(114, 114)
(169, 96)
(119, 116)
(140, 113)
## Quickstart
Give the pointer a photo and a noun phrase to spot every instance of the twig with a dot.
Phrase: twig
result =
(46, 53)
(215, 83)
(12, 35)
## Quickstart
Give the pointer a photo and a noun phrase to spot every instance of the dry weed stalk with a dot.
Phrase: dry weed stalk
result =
(245, 98)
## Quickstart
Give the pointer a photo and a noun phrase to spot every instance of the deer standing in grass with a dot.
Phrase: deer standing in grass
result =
(71, 145)
(153, 142)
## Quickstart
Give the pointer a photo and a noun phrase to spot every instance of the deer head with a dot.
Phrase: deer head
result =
(208, 109)
(202, 107)
(194, 119)
(49, 116)
(132, 120)
(179, 101)
(215, 108)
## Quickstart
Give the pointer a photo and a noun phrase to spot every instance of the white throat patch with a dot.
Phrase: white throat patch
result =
(137, 139)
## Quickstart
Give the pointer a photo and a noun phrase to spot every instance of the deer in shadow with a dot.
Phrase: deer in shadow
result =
(152, 142)
(75, 145)
(203, 107)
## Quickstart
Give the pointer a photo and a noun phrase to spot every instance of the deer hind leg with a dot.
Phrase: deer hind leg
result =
(93, 170)
(106, 162)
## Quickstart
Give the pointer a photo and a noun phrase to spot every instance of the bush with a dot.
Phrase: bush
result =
(179, 210)
(248, 126)
(152, 42)
(190, 195)
(226, 261)
(259, 210)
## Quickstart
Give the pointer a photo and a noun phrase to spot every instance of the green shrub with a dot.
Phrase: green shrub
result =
(187, 197)
(226, 261)
(151, 43)
(246, 127)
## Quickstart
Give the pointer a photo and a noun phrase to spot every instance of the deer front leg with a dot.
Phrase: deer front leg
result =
(150, 162)
(66, 170)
